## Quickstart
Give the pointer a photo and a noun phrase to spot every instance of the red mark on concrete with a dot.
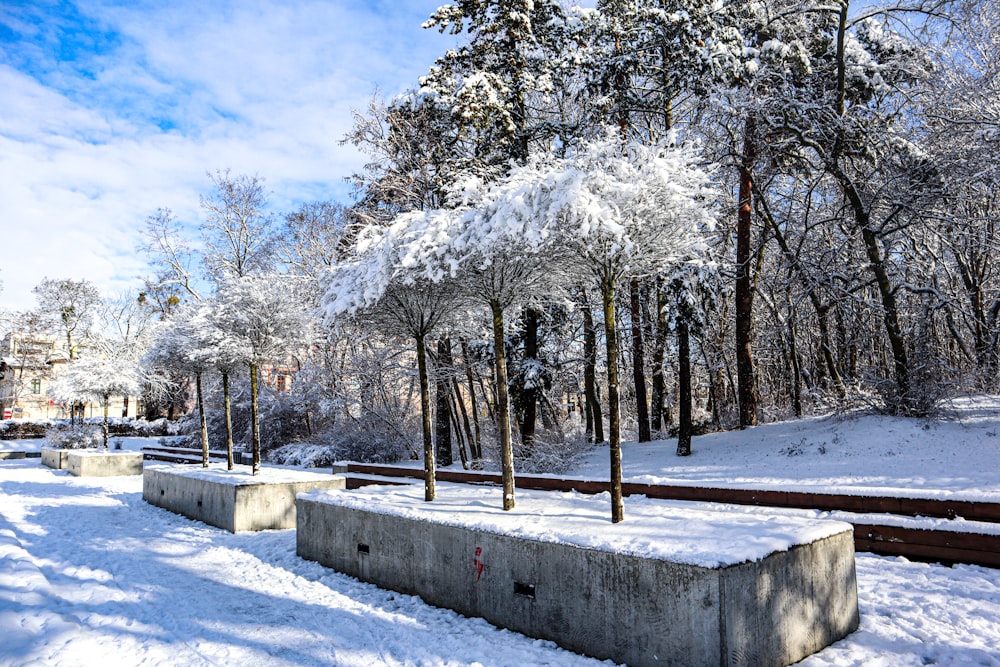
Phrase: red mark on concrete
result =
(479, 565)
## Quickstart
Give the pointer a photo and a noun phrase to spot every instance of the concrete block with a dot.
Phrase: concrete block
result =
(102, 463)
(233, 500)
(627, 608)
(54, 458)
(4, 456)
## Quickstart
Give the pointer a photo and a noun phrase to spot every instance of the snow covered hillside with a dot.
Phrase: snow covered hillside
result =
(955, 457)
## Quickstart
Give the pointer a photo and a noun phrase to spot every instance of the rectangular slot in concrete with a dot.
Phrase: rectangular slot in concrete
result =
(524, 590)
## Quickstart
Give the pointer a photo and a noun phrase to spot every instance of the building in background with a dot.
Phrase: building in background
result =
(29, 363)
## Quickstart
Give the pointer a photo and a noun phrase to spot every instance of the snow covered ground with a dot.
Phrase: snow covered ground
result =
(114, 442)
(957, 457)
(92, 575)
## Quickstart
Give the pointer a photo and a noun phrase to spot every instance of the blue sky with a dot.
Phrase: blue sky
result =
(111, 110)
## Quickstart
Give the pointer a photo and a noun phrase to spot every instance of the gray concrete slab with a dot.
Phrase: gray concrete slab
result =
(641, 611)
(103, 463)
(235, 501)
(54, 458)
(4, 456)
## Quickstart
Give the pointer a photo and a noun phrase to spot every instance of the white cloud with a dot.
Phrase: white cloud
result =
(91, 147)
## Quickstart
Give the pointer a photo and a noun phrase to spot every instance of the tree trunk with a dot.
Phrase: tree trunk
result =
(442, 425)
(203, 422)
(425, 419)
(793, 350)
(228, 409)
(747, 398)
(890, 309)
(107, 400)
(614, 409)
(590, 374)
(460, 441)
(638, 363)
(476, 445)
(658, 419)
(530, 394)
(684, 388)
(459, 402)
(254, 418)
(503, 408)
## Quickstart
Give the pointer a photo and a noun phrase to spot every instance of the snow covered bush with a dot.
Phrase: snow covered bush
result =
(364, 442)
(13, 429)
(129, 426)
(63, 435)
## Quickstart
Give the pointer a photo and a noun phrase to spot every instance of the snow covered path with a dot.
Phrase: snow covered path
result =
(92, 575)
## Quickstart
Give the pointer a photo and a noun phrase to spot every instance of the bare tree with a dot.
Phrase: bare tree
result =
(69, 305)
(173, 257)
(236, 231)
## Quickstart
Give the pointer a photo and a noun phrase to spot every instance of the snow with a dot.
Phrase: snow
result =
(36, 444)
(92, 575)
(954, 458)
(241, 475)
(685, 534)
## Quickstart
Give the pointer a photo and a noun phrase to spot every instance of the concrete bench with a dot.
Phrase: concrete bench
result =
(233, 500)
(764, 609)
(102, 463)
(54, 458)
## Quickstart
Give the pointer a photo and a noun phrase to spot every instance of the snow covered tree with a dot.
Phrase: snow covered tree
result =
(69, 305)
(263, 321)
(503, 88)
(379, 287)
(173, 259)
(618, 210)
(690, 290)
(187, 344)
(237, 229)
(107, 369)
(962, 121)
(626, 210)
(500, 84)
(313, 238)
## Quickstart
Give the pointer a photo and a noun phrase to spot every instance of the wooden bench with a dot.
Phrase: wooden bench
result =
(183, 454)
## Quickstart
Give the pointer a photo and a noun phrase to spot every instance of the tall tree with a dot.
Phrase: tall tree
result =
(381, 286)
(617, 210)
(237, 229)
(173, 258)
(69, 305)
(501, 87)
(265, 322)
